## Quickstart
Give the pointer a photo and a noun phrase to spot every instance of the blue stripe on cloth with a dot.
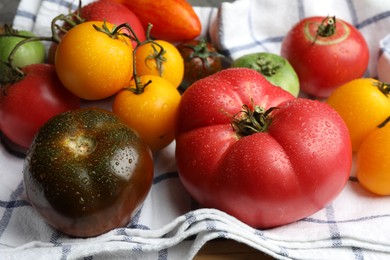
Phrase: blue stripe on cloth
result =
(9, 208)
(13, 204)
(333, 228)
(210, 225)
(318, 221)
(137, 248)
(54, 238)
(66, 249)
(352, 9)
(65, 252)
(358, 252)
(163, 254)
(25, 14)
(301, 9)
(373, 19)
(190, 217)
(73, 5)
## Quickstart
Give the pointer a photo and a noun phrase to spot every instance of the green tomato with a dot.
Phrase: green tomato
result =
(29, 53)
(274, 68)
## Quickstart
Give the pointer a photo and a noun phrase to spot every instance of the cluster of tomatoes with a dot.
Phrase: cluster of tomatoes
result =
(242, 142)
(85, 162)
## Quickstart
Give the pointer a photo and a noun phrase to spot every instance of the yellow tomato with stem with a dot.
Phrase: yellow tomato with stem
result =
(363, 104)
(149, 107)
(160, 58)
(373, 161)
(94, 60)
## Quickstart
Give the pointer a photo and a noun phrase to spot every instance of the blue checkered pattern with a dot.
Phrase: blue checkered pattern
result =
(170, 225)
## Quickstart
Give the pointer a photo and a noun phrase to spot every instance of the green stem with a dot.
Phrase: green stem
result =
(327, 27)
(248, 122)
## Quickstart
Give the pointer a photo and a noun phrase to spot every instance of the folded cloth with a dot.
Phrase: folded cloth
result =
(168, 226)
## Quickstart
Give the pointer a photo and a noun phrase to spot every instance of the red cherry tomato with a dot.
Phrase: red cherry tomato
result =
(325, 52)
(27, 104)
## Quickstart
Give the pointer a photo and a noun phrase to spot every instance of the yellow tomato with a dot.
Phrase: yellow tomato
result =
(151, 113)
(166, 63)
(91, 64)
(373, 161)
(363, 104)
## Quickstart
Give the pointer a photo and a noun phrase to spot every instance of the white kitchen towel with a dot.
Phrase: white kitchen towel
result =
(169, 225)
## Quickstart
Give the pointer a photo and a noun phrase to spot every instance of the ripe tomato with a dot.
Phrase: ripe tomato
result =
(28, 103)
(166, 63)
(172, 20)
(373, 161)
(151, 113)
(115, 13)
(28, 53)
(274, 68)
(201, 59)
(87, 172)
(91, 64)
(325, 52)
(363, 104)
(273, 166)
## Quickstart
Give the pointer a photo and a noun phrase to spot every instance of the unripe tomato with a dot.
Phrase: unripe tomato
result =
(28, 53)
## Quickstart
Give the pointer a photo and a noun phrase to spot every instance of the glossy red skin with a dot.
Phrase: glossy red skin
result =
(172, 20)
(115, 13)
(329, 62)
(295, 168)
(27, 104)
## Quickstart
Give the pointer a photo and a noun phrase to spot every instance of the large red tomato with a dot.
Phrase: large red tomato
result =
(254, 151)
(325, 52)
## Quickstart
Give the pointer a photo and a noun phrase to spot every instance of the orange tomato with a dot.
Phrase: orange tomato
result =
(363, 104)
(166, 63)
(373, 162)
(91, 64)
(151, 113)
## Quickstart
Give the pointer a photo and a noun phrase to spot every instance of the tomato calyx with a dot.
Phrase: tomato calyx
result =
(266, 67)
(202, 52)
(157, 55)
(383, 87)
(327, 27)
(250, 121)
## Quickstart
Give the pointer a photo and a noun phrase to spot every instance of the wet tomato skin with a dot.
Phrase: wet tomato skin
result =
(27, 104)
(87, 173)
